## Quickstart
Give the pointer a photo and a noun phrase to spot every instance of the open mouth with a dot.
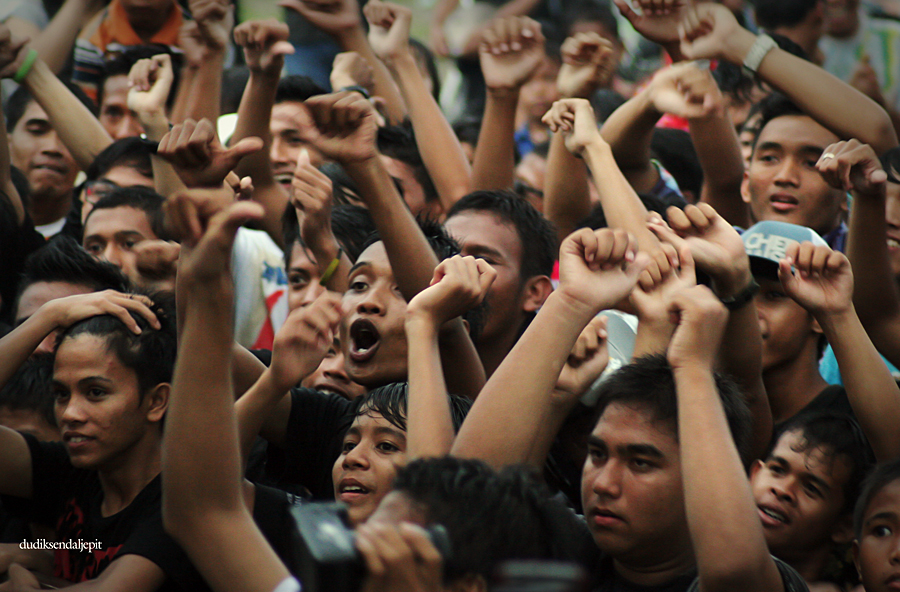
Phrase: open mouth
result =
(364, 340)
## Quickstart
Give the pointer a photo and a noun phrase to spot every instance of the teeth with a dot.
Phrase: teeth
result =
(773, 514)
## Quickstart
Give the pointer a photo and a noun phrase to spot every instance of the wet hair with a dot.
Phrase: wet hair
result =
(30, 388)
(389, 401)
(140, 198)
(18, 103)
(131, 152)
(426, 57)
(589, 11)
(675, 151)
(536, 234)
(63, 260)
(772, 107)
(771, 14)
(838, 435)
(490, 517)
(120, 65)
(399, 142)
(883, 475)
(648, 384)
(297, 89)
(149, 354)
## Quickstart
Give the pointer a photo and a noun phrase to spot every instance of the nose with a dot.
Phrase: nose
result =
(788, 173)
(608, 480)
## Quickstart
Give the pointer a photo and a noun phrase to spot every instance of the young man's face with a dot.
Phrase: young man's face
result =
(799, 495)
(631, 488)
(37, 151)
(786, 327)
(373, 333)
(289, 119)
(100, 412)
(877, 551)
(782, 182)
(111, 234)
(115, 116)
(374, 449)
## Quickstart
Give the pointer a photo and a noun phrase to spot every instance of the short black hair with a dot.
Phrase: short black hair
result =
(883, 475)
(131, 152)
(590, 11)
(18, 103)
(399, 142)
(139, 198)
(150, 354)
(648, 384)
(297, 89)
(771, 14)
(30, 388)
(63, 260)
(536, 234)
(490, 517)
(390, 402)
(838, 435)
(772, 107)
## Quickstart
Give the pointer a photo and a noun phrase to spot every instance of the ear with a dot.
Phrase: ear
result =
(745, 188)
(156, 401)
(842, 533)
(536, 291)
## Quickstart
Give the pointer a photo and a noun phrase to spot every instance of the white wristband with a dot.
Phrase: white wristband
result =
(761, 47)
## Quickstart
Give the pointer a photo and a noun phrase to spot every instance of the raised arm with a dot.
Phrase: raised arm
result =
(440, 148)
(597, 270)
(710, 31)
(731, 550)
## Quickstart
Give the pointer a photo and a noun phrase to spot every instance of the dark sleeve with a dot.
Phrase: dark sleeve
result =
(53, 479)
(790, 579)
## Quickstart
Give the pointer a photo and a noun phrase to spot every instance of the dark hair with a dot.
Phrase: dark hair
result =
(772, 107)
(297, 89)
(122, 63)
(883, 475)
(140, 198)
(675, 151)
(30, 388)
(390, 402)
(490, 517)
(648, 383)
(18, 103)
(399, 142)
(150, 354)
(63, 260)
(536, 233)
(838, 435)
(589, 11)
(771, 14)
(131, 152)
(423, 54)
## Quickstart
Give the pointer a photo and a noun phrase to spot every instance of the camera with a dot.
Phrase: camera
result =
(325, 556)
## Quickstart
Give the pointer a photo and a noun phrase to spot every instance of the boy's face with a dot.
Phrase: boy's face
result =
(374, 449)
(631, 488)
(877, 552)
(110, 234)
(100, 412)
(786, 327)
(373, 333)
(799, 495)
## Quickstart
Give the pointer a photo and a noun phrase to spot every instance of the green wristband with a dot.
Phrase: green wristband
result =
(25, 68)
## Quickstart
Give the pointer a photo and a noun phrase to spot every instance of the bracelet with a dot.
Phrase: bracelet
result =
(742, 298)
(761, 47)
(25, 68)
(332, 267)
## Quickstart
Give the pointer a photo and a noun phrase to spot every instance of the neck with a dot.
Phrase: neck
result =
(656, 573)
(124, 478)
(792, 386)
(45, 209)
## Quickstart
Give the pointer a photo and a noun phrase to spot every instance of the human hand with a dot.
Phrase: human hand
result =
(701, 319)
(67, 311)
(511, 51)
(589, 62)
(345, 127)
(335, 17)
(388, 29)
(13, 50)
(352, 69)
(156, 262)
(399, 558)
(574, 118)
(265, 45)
(150, 81)
(684, 90)
(215, 19)
(598, 268)
(821, 281)
(198, 157)
(865, 80)
(853, 166)
(311, 193)
(710, 31)
(586, 361)
(304, 339)
(459, 285)
(658, 19)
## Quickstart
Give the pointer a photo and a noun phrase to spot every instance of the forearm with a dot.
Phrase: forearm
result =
(429, 423)
(440, 148)
(629, 132)
(719, 153)
(494, 163)
(77, 127)
(872, 391)
(567, 200)
(356, 40)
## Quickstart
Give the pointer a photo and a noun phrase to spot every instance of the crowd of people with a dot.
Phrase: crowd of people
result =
(608, 301)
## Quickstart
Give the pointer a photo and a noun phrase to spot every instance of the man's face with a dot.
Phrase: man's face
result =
(115, 116)
(38, 294)
(288, 121)
(782, 182)
(877, 551)
(892, 214)
(631, 488)
(799, 495)
(373, 333)
(483, 235)
(111, 234)
(98, 404)
(363, 474)
(37, 151)
(786, 327)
